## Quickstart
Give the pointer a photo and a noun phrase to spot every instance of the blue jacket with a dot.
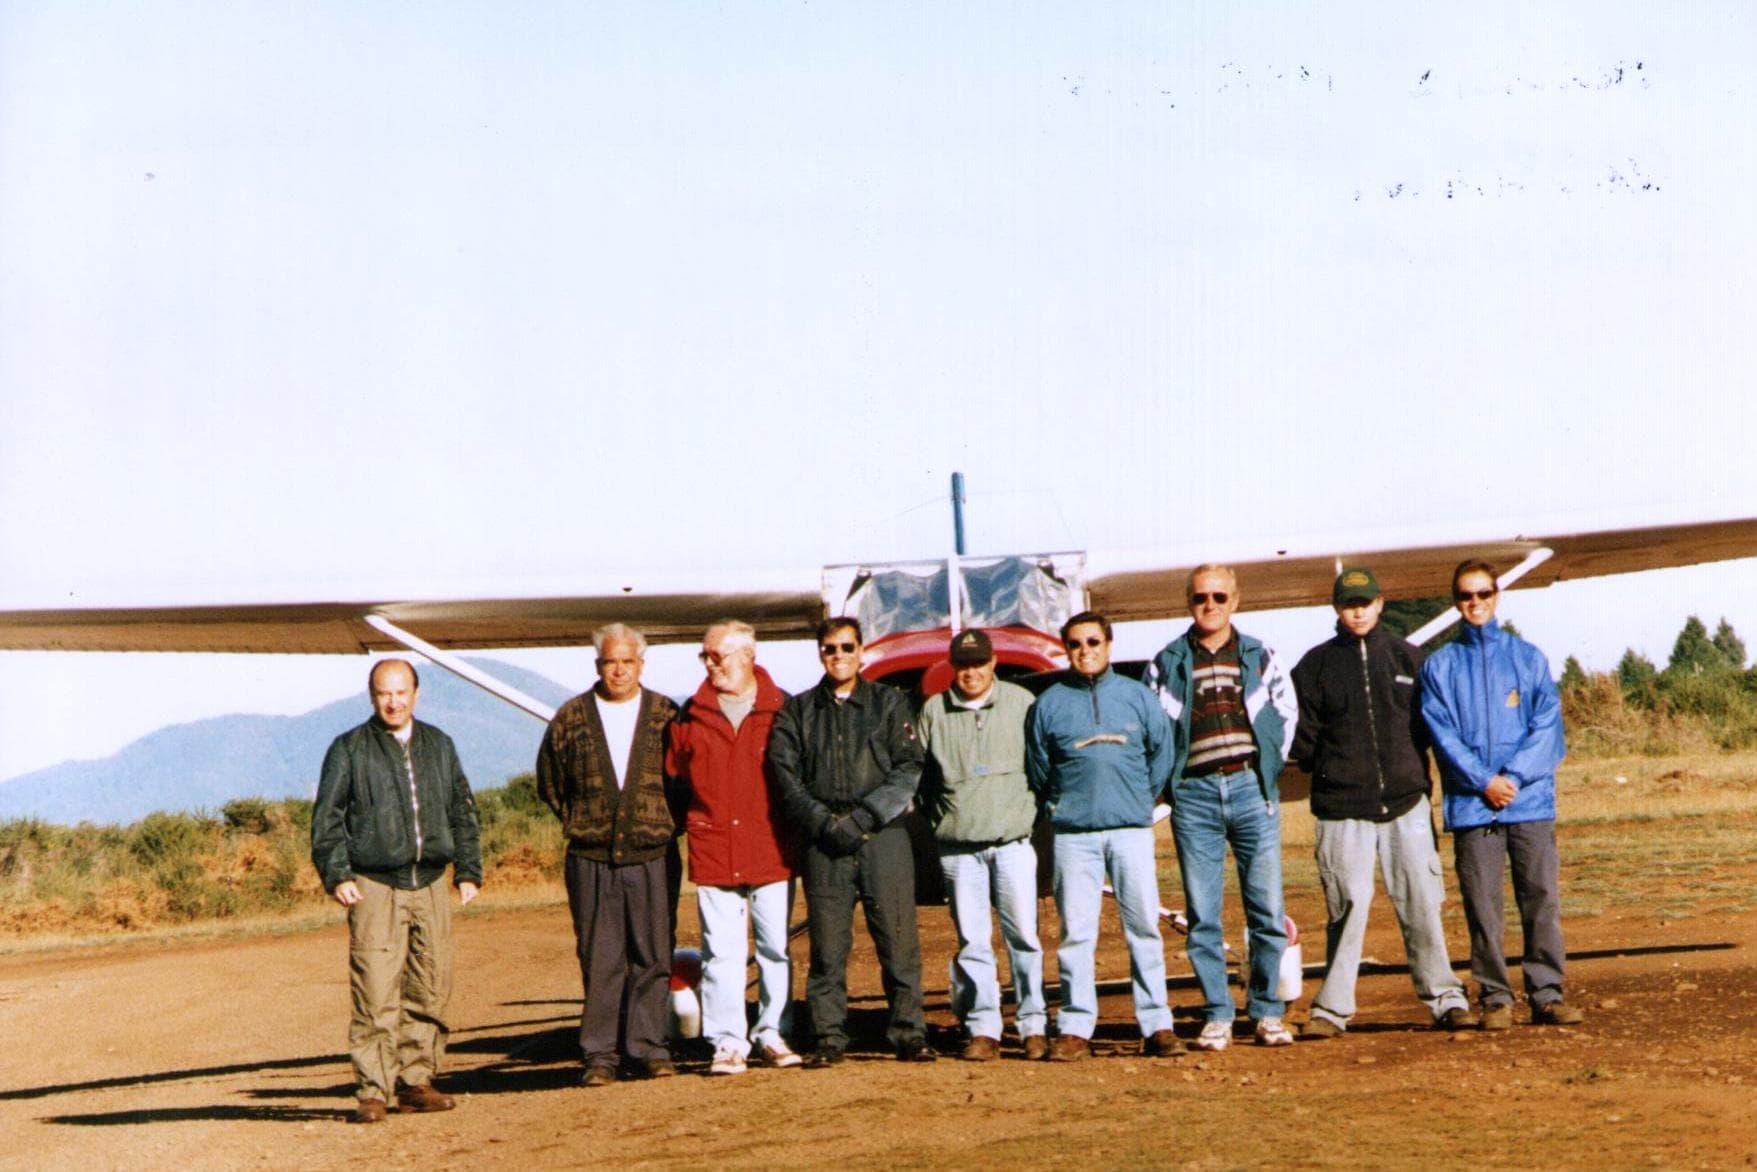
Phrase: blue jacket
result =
(1492, 709)
(1098, 752)
(1269, 700)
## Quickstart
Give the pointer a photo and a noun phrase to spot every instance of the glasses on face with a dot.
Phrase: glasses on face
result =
(715, 657)
(1217, 597)
(1088, 641)
(1468, 595)
(833, 648)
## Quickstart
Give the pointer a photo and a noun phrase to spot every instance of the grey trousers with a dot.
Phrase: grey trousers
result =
(399, 980)
(1404, 850)
(622, 927)
(1481, 856)
(882, 874)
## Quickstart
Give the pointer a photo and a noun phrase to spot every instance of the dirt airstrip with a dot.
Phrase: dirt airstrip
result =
(229, 1054)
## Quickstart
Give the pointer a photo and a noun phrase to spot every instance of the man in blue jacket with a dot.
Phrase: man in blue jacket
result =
(1496, 722)
(1233, 715)
(1096, 748)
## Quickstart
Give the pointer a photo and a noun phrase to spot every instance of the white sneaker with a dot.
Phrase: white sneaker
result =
(727, 1061)
(1271, 1032)
(1215, 1035)
(777, 1054)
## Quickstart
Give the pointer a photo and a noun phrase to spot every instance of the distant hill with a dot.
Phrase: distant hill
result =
(204, 764)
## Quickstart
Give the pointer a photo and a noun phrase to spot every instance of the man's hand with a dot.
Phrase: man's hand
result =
(843, 836)
(1500, 792)
(466, 892)
(348, 893)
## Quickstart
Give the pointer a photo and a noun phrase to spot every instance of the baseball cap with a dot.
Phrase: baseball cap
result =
(1354, 585)
(970, 648)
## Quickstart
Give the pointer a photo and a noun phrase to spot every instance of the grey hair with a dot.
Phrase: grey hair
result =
(736, 632)
(1210, 568)
(621, 631)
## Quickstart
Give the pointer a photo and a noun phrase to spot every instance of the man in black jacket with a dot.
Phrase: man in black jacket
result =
(846, 766)
(1361, 738)
(393, 811)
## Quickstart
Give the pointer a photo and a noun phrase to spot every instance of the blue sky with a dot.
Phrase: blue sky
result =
(293, 295)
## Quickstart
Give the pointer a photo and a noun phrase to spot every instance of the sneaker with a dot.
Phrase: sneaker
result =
(915, 1049)
(981, 1049)
(369, 1111)
(1162, 1044)
(1319, 1029)
(599, 1074)
(1069, 1048)
(825, 1056)
(1557, 1012)
(1036, 1048)
(1215, 1035)
(1458, 1017)
(1497, 1017)
(423, 1098)
(727, 1061)
(1271, 1032)
(777, 1054)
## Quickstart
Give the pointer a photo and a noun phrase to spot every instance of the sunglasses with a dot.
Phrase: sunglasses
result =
(1479, 595)
(715, 656)
(1088, 641)
(844, 648)
(1217, 597)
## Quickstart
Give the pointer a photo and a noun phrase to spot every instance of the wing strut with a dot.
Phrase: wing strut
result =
(459, 668)
(1440, 622)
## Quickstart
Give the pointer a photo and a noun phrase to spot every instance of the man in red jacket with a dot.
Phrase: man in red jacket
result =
(740, 857)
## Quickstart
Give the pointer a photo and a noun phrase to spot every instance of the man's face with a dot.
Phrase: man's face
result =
(731, 665)
(973, 680)
(840, 655)
(1213, 598)
(1476, 595)
(619, 669)
(393, 695)
(1358, 618)
(1088, 649)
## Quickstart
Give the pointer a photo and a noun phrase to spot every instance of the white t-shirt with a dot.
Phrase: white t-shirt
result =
(619, 720)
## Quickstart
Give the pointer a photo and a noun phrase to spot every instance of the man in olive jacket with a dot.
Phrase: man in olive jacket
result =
(393, 811)
(601, 769)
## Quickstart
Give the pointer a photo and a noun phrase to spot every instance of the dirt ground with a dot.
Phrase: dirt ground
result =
(230, 1054)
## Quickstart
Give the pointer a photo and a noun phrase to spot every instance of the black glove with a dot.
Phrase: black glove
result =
(842, 837)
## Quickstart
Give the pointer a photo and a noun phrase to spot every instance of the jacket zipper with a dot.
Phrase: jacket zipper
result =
(1488, 712)
(414, 803)
(1366, 678)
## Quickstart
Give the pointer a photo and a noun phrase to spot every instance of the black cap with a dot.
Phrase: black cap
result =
(1354, 585)
(970, 648)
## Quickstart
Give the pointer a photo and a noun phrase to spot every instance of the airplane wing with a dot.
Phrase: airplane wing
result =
(780, 606)
(1126, 588)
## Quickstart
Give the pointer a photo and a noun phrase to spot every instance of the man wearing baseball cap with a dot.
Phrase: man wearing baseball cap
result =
(982, 809)
(1362, 739)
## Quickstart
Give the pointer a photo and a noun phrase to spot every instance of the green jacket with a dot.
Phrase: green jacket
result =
(370, 820)
(975, 789)
(576, 779)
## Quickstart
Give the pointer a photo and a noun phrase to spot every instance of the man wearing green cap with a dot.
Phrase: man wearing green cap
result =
(1362, 739)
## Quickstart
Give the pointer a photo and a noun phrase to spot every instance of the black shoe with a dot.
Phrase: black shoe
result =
(824, 1057)
(915, 1049)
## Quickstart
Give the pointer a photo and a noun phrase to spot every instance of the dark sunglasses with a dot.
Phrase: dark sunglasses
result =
(1088, 641)
(844, 648)
(1479, 595)
(1218, 597)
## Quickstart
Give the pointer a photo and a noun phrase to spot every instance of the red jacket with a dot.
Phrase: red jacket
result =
(736, 837)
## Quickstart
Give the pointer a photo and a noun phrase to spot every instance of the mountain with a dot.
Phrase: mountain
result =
(204, 764)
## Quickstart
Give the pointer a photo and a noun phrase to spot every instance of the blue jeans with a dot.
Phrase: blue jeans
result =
(1207, 815)
(1007, 874)
(1082, 860)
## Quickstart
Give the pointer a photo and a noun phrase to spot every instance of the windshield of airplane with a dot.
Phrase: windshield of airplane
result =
(1040, 591)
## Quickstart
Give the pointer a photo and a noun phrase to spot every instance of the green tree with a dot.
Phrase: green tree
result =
(1694, 653)
(1402, 616)
(1728, 643)
(1637, 677)
(1573, 676)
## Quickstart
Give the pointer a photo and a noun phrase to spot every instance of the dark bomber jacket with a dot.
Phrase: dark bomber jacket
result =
(859, 756)
(576, 779)
(1360, 734)
(365, 821)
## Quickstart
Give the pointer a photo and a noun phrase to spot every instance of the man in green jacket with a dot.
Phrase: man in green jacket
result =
(982, 809)
(393, 811)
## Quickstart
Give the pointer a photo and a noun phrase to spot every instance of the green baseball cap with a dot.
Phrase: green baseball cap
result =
(1354, 585)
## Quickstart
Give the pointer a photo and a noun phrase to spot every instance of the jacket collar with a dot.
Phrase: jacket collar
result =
(1489, 632)
(769, 697)
(826, 690)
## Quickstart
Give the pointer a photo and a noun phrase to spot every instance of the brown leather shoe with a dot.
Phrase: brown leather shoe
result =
(981, 1049)
(423, 1098)
(1036, 1048)
(598, 1074)
(1068, 1048)
(658, 1068)
(1163, 1044)
(369, 1111)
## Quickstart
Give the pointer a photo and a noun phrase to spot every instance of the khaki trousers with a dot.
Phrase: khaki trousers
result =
(399, 968)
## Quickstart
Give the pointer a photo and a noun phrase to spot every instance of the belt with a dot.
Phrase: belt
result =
(1226, 768)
